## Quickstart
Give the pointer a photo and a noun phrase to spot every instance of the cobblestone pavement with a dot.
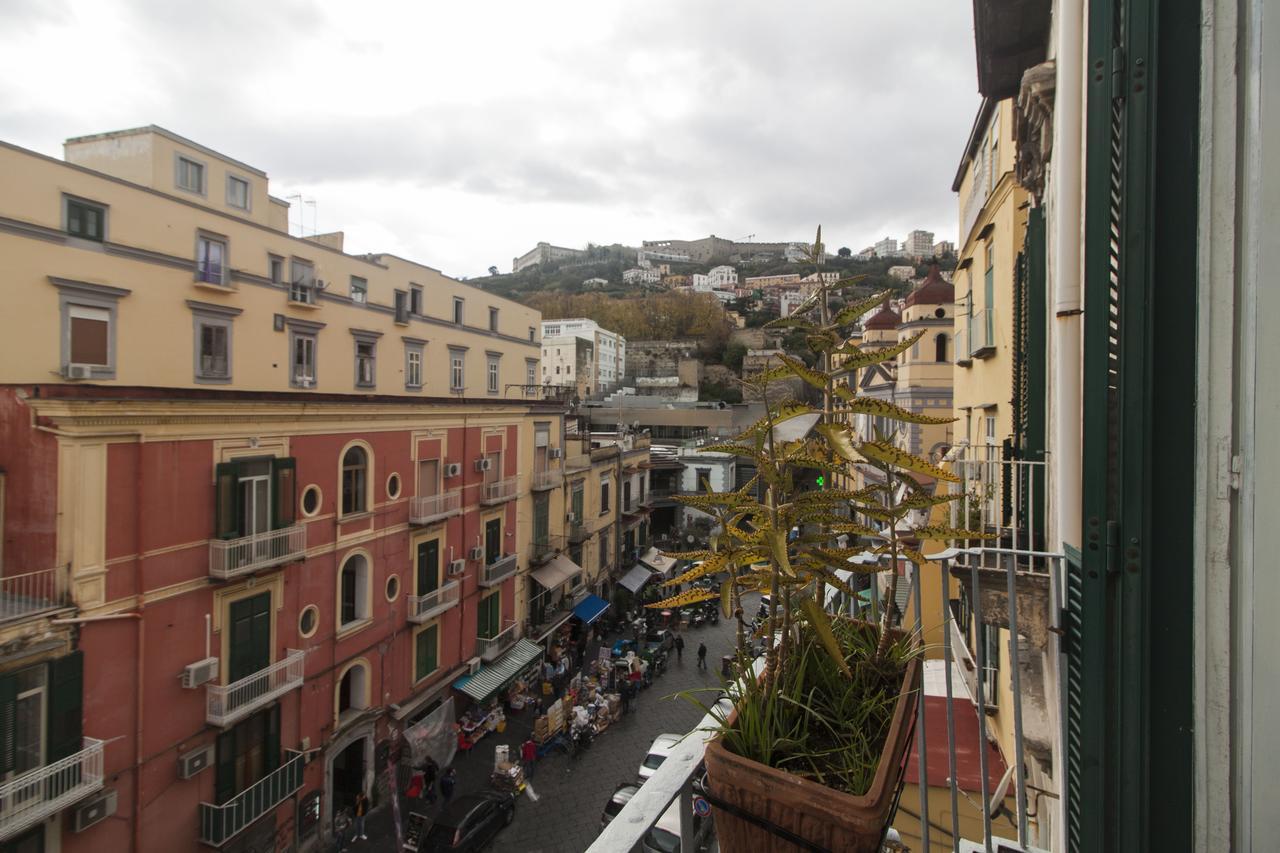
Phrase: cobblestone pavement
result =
(572, 792)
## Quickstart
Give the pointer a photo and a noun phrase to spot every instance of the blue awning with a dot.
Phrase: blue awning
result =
(590, 608)
(492, 678)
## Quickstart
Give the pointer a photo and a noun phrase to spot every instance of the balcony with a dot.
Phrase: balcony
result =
(549, 393)
(219, 824)
(499, 491)
(548, 478)
(545, 546)
(30, 594)
(499, 570)
(982, 334)
(428, 509)
(227, 704)
(488, 648)
(1001, 495)
(578, 532)
(233, 558)
(39, 794)
(424, 607)
(578, 462)
(963, 358)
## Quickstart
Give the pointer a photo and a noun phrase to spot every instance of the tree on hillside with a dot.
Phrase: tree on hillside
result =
(493, 270)
(844, 252)
(734, 353)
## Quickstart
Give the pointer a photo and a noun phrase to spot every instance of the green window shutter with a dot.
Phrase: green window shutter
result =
(428, 566)
(492, 541)
(426, 657)
(224, 785)
(8, 722)
(227, 513)
(271, 743)
(578, 495)
(66, 705)
(349, 581)
(284, 492)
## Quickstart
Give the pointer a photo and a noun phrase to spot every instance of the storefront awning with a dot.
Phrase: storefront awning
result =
(636, 578)
(556, 572)
(590, 608)
(654, 559)
(500, 673)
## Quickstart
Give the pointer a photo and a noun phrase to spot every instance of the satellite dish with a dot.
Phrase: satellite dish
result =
(997, 798)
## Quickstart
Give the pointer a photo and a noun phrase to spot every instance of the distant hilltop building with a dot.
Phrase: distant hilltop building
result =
(545, 253)
(762, 281)
(645, 255)
(609, 349)
(903, 273)
(595, 283)
(714, 248)
(944, 247)
(919, 244)
(887, 248)
(636, 275)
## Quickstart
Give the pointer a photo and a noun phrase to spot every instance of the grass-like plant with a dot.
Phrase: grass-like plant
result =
(822, 706)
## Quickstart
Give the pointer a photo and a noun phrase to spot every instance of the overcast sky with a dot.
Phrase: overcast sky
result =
(461, 133)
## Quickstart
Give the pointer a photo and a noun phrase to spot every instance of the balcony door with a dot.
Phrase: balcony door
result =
(246, 754)
(428, 566)
(428, 478)
(541, 521)
(492, 541)
(254, 496)
(250, 638)
(254, 487)
(489, 616)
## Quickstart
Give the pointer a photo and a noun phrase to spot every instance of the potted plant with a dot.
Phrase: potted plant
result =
(812, 753)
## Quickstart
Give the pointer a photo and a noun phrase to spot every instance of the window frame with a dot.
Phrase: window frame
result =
(211, 239)
(247, 207)
(458, 370)
(493, 318)
(418, 675)
(86, 295)
(366, 498)
(459, 311)
(361, 606)
(493, 373)
(296, 333)
(67, 201)
(414, 347)
(605, 483)
(531, 371)
(206, 314)
(366, 339)
(178, 159)
(417, 300)
(275, 263)
(295, 288)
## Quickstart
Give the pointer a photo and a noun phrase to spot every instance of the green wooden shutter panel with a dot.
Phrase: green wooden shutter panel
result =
(428, 566)
(284, 492)
(225, 777)
(66, 705)
(492, 541)
(227, 513)
(250, 640)
(271, 743)
(8, 721)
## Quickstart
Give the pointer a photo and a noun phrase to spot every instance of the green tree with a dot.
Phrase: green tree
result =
(734, 353)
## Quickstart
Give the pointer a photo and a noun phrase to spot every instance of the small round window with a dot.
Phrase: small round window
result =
(940, 313)
(393, 587)
(308, 620)
(393, 486)
(311, 500)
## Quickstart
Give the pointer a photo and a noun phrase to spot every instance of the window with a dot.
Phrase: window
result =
(412, 365)
(457, 310)
(275, 269)
(493, 319)
(576, 502)
(456, 369)
(940, 348)
(88, 317)
(402, 307)
(492, 374)
(85, 219)
(190, 175)
(311, 500)
(426, 648)
(353, 591)
(211, 258)
(237, 192)
(626, 495)
(393, 486)
(214, 357)
(702, 479)
(415, 300)
(530, 372)
(90, 330)
(366, 362)
(359, 290)
(308, 620)
(355, 477)
(302, 350)
(605, 554)
(254, 496)
(489, 615)
(247, 753)
(302, 281)
(604, 496)
(353, 692)
(532, 333)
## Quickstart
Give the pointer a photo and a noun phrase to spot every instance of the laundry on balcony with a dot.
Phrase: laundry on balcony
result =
(556, 572)
(654, 559)
(590, 609)
(497, 675)
(636, 578)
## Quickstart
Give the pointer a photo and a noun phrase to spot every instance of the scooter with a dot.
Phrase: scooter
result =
(713, 614)
(697, 618)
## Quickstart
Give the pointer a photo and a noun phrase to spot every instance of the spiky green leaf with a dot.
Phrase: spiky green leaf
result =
(882, 451)
(821, 624)
(840, 439)
(816, 378)
(854, 310)
(860, 358)
(885, 409)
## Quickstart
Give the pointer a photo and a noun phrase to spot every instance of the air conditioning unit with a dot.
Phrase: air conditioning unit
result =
(473, 666)
(484, 464)
(571, 517)
(476, 553)
(321, 284)
(77, 371)
(555, 453)
(193, 762)
(305, 382)
(93, 810)
(200, 672)
(457, 567)
(453, 469)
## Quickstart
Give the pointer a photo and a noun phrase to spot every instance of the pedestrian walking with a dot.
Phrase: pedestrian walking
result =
(529, 755)
(429, 773)
(679, 648)
(362, 806)
(447, 781)
(702, 655)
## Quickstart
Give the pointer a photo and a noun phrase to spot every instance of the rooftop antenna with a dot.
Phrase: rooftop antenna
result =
(303, 204)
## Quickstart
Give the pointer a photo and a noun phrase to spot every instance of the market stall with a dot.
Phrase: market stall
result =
(510, 679)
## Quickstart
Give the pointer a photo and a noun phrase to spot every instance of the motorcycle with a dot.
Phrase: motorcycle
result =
(713, 614)
(697, 618)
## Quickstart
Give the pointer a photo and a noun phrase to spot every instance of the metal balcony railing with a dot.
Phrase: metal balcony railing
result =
(219, 824)
(423, 607)
(548, 478)
(1002, 496)
(38, 794)
(545, 546)
(430, 508)
(963, 357)
(488, 648)
(232, 558)
(498, 491)
(499, 570)
(229, 703)
(982, 333)
(32, 593)
(577, 531)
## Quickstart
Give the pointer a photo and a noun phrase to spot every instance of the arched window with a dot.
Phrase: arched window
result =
(353, 692)
(353, 591)
(355, 477)
(940, 345)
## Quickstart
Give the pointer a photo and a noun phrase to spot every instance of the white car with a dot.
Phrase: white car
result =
(662, 746)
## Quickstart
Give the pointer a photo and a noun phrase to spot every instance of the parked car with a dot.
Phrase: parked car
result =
(622, 795)
(471, 821)
(661, 640)
(658, 752)
(664, 837)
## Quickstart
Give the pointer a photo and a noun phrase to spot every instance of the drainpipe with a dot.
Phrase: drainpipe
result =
(141, 668)
(1068, 247)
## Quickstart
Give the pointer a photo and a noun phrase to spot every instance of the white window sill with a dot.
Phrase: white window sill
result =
(355, 516)
(353, 628)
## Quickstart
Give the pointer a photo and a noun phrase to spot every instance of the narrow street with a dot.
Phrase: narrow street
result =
(571, 793)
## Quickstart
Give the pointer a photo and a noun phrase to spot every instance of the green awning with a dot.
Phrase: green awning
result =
(497, 675)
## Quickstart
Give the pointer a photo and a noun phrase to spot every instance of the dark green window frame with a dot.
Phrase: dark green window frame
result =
(227, 509)
(427, 658)
(86, 219)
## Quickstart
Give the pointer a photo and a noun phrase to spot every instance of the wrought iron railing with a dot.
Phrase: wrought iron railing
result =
(38, 794)
(219, 824)
(229, 703)
(32, 593)
(425, 509)
(232, 558)
(488, 648)
(982, 333)
(499, 570)
(548, 478)
(1002, 496)
(424, 607)
(498, 491)
(545, 546)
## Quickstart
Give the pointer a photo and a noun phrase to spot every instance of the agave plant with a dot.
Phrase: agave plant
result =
(753, 543)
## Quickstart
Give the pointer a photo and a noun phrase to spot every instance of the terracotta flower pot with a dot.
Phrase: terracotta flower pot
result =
(830, 819)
